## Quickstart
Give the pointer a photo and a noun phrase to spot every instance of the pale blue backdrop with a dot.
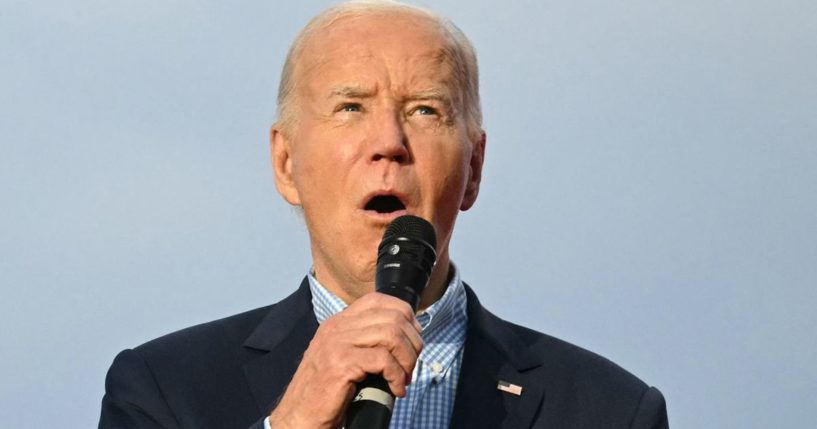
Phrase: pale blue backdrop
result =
(649, 189)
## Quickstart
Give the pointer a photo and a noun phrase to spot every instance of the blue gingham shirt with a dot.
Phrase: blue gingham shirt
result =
(430, 396)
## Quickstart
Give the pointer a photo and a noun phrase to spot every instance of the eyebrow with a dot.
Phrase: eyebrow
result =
(351, 92)
(360, 92)
(430, 94)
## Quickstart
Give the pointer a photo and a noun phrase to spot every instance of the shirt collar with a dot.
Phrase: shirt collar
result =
(326, 304)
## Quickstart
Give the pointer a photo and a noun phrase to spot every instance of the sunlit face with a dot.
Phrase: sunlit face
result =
(379, 133)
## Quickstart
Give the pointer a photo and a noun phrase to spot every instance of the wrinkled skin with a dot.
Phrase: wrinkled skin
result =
(377, 114)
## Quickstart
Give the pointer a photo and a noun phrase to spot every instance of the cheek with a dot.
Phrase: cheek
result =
(322, 170)
(447, 175)
(311, 172)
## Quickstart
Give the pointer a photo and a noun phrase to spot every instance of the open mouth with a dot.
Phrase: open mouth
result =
(385, 204)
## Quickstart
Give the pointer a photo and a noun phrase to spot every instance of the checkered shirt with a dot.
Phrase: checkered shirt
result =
(430, 396)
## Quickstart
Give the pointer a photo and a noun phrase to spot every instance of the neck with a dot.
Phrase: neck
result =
(438, 282)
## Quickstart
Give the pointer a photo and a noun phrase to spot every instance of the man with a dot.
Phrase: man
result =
(378, 117)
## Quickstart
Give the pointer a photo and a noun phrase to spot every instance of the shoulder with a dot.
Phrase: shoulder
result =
(525, 347)
(227, 337)
(208, 353)
(176, 379)
(170, 380)
(580, 386)
(566, 362)
(226, 333)
(570, 365)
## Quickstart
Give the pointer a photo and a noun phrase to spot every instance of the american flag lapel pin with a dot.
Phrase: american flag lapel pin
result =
(509, 387)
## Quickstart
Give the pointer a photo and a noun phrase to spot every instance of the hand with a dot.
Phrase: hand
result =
(377, 334)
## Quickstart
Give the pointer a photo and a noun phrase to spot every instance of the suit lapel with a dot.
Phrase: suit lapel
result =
(493, 352)
(282, 337)
(478, 403)
(521, 409)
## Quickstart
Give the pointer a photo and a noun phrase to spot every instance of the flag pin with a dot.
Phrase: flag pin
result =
(509, 387)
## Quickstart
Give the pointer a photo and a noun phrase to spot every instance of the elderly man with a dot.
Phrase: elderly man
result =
(378, 117)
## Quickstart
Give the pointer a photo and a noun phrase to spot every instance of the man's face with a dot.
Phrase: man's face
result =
(379, 133)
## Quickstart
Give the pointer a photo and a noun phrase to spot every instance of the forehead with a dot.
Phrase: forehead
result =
(400, 52)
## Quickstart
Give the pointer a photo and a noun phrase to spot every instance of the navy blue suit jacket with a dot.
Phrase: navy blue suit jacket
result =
(230, 372)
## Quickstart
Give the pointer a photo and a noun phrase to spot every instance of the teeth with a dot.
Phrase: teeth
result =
(385, 204)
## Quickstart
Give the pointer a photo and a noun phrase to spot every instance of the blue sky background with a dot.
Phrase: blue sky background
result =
(649, 189)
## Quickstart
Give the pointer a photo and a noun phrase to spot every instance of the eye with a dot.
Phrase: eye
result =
(350, 107)
(424, 111)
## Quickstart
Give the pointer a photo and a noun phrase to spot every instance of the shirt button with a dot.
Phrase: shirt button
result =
(436, 368)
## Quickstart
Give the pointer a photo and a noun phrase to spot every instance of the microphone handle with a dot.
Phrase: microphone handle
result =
(372, 405)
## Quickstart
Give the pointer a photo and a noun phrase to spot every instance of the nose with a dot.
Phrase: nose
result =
(389, 140)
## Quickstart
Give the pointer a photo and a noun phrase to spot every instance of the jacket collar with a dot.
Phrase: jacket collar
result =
(284, 335)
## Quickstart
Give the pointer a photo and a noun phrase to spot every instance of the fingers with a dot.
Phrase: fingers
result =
(381, 302)
(371, 322)
(383, 318)
(379, 361)
(377, 334)
(403, 346)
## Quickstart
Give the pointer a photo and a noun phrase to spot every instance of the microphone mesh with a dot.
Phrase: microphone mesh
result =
(412, 227)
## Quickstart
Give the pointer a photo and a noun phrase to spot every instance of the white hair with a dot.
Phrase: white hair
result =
(460, 52)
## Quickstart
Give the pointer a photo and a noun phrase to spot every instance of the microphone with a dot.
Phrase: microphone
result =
(405, 258)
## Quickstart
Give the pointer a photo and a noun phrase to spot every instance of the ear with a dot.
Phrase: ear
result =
(475, 170)
(281, 152)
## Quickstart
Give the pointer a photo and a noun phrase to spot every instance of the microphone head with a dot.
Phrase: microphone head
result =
(405, 258)
(412, 228)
